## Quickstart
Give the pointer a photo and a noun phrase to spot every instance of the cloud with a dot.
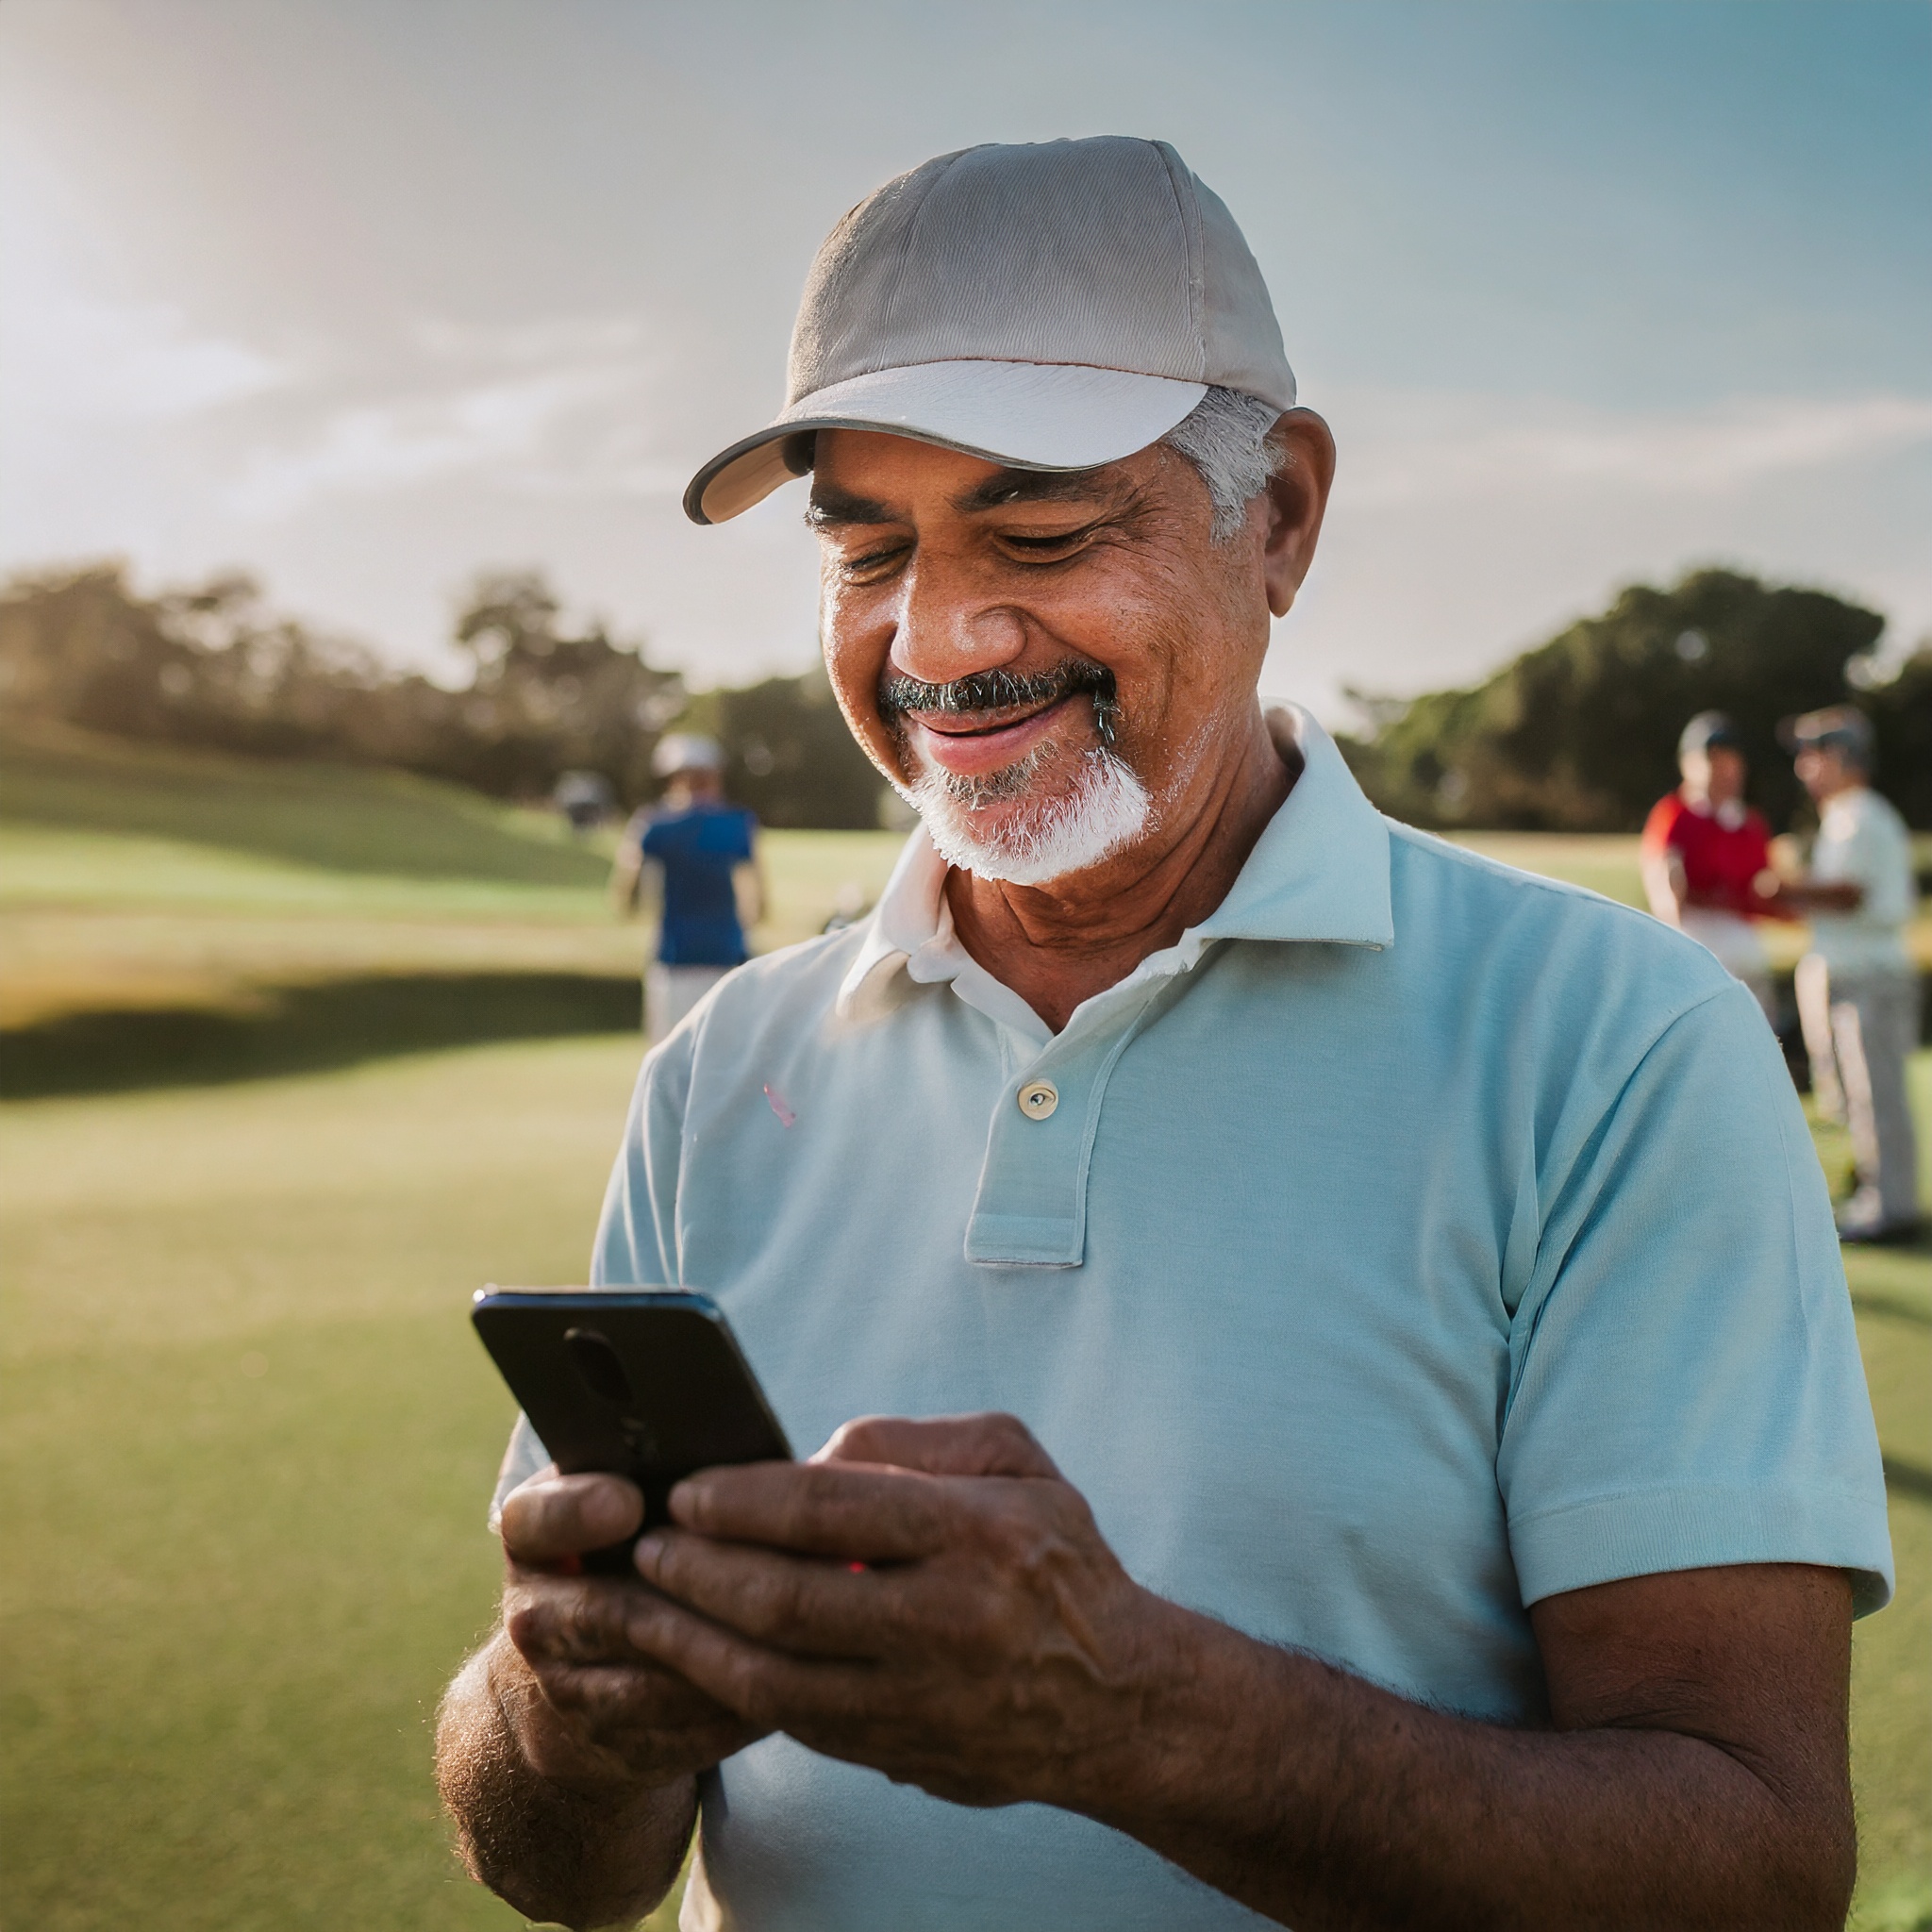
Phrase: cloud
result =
(1414, 449)
(69, 357)
(553, 408)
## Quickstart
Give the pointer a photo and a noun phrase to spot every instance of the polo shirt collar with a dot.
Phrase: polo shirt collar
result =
(1318, 873)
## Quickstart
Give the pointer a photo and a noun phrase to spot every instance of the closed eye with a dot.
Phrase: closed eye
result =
(872, 563)
(1057, 544)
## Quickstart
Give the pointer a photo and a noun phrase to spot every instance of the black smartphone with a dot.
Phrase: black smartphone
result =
(647, 1383)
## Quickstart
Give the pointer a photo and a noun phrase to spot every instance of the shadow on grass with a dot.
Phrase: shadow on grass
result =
(1907, 1479)
(308, 1028)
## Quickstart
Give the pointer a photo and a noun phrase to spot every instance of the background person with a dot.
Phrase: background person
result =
(1706, 855)
(697, 857)
(1857, 987)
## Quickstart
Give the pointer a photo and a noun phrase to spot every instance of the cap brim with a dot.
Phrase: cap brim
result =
(1029, 415)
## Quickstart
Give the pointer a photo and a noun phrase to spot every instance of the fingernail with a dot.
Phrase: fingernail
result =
(649, 1548)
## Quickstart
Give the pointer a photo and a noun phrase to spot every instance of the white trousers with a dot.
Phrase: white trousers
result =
(671, 991)
(1858, 1029)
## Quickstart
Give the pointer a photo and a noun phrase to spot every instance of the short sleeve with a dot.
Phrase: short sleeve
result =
(1883, 865)
(1684, 1387)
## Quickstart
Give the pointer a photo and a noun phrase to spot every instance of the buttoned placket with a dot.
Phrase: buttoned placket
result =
(1030, 1208)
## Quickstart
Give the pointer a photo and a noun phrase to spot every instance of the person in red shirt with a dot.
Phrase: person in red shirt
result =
(1706, 855)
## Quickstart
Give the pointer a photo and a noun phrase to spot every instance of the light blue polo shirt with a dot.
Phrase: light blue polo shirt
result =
(1414, 1240)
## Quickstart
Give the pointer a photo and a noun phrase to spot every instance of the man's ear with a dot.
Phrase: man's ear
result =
(1298, 498)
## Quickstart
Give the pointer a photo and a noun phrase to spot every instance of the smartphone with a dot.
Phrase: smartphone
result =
(647, 1383)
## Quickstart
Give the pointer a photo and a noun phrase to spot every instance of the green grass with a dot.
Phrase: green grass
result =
(164, 912)
(247, 1442)
(342, 819)
(245, 1445)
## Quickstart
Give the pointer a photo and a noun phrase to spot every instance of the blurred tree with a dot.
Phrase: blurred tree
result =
(212, 665)
(541, 703)
(1580, 734)
(1900, 710)
(789, 753)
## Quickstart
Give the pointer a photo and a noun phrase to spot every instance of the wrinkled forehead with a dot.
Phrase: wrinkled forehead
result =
(862, 476)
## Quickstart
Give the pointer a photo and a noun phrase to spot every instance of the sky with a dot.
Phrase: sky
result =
(365, 298)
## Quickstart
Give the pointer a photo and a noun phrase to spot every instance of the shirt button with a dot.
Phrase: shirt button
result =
(1039, 1098)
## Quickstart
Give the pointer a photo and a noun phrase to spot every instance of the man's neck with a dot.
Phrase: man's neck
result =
(1058, 945)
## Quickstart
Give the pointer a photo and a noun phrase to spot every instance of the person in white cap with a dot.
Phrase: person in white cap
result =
(696, 857)
(1339, 1400)
(1857, 987)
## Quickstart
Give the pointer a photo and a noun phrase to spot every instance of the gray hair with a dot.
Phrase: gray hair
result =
(1226, 437)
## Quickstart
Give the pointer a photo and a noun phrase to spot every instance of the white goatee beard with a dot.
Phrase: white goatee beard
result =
(1107, 809)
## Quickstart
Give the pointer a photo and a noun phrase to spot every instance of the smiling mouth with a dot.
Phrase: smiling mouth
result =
(953, 724)
(993, 704)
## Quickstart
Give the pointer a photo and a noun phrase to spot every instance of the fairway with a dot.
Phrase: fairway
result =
(170, 916)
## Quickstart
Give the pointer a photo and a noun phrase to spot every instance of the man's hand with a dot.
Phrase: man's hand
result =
(934, 1599)
(593, 1710)
(929, 1598)
(565, 1758)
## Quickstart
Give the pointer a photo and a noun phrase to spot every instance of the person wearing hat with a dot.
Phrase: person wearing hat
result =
(1707, 856)
(1338, 1398)
(1857, 987)
(701, 856)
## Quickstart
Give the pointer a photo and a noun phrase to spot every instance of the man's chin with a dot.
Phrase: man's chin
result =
(1023, 839)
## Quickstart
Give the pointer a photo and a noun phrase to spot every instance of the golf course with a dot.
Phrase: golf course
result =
(293, 1058)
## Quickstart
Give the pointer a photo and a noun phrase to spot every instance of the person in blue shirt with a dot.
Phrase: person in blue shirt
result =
(697, 857)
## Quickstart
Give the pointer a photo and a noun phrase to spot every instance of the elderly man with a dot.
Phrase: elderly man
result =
(1304, 1436)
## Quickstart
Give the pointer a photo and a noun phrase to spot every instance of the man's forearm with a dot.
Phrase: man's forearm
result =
(580, 1856)
(1330, 1803)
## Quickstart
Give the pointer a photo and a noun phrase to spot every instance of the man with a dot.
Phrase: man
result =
(1345, 1467)
(1857, 987)
(701, 853)
(1707, 856)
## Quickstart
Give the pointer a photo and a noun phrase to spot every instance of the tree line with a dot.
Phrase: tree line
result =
(1580, 734)
(212, 665)
(1576, 735)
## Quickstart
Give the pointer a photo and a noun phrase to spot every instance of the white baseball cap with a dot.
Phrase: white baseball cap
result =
(1050, 306)
(686, 751)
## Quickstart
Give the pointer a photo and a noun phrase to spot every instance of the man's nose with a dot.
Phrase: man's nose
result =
(949, 626)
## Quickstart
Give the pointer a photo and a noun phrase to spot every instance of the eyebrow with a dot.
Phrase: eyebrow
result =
(1032, 486)
(832, 507)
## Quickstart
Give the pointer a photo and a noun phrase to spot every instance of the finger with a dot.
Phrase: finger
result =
(648, 1716)
(765, 1688)
(638, 1696)
(818, 1508)
(988, 1443)
(805, 1605)
(555, 1516)
(569, 1619)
